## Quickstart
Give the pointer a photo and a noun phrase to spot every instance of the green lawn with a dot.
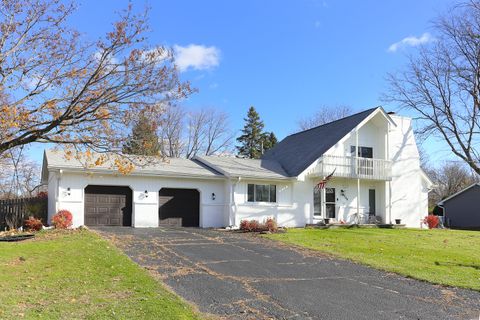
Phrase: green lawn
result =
(449, 257)
(78, 275)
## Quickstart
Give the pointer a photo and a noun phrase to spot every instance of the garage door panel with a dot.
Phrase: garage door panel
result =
(108, 206)
(179, 207)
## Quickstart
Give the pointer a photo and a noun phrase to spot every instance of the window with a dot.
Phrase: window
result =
(363, 152)
(262, 193)
(317, 201)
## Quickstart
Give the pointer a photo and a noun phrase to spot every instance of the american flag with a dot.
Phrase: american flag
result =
(323, 182)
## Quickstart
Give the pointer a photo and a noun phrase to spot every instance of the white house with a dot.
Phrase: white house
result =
(372, 155)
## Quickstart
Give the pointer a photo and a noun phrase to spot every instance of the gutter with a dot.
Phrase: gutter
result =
(134, 173)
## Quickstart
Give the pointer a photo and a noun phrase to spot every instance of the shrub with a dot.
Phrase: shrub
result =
(244, 225)
(254, 225)
(42, 194)
(62, 219)
(271, 225)
(33, 224)
(432, 221)
(250, 225)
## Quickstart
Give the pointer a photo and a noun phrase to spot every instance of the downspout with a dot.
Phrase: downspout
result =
(232, 210)
(57, 190)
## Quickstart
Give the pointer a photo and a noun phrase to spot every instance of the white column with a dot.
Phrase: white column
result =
(322, 203)
(358, 200)
(390, 201)
(358, 180)
(387, 156)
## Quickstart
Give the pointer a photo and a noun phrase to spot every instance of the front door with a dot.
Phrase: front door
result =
(330, 203)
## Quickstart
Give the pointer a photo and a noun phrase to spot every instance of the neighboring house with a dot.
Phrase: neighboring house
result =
(372, 154)
(462, 210)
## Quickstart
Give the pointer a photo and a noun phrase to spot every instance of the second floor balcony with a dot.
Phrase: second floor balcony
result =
(354, 167)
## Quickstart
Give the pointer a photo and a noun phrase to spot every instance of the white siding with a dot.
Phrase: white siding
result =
(294, 206)
(408, 191)
(145, 209)
(371, 134)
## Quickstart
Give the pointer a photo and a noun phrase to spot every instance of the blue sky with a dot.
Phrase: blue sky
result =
(287, 58)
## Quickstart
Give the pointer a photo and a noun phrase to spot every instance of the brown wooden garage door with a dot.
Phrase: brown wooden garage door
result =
(179, 207)
(108, 206)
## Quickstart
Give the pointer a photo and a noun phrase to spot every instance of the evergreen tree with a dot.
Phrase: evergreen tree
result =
(143, 140)
(252, 136)
(269, 141)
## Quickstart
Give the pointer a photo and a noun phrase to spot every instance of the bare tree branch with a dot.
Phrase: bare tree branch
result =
(441, 84)
(324, 115)
(57, 87)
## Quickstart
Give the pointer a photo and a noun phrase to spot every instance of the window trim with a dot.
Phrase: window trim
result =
(255, 193)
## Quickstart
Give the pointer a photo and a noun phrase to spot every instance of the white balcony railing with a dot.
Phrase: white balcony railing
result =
(354, 167)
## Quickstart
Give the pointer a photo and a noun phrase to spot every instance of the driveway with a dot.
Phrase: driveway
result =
(240, 276)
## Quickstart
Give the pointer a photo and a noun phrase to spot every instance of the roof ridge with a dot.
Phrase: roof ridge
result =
(316, 127)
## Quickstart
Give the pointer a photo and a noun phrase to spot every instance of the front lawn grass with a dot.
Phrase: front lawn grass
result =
(447, 257)
(78, 275)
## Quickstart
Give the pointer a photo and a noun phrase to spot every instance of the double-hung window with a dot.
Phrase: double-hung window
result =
(262, 193)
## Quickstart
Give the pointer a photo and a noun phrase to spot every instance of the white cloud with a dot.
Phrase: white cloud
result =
(197, 57)
(411, 41)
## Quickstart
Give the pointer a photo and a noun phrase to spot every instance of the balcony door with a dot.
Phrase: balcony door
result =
(365, 164)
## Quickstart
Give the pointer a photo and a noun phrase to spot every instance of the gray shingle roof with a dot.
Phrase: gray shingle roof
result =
(288, 158)
(247, 168)
(297, 151)
(458, 193)
(143, 165)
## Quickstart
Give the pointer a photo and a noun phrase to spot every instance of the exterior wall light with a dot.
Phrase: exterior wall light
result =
(213, 196)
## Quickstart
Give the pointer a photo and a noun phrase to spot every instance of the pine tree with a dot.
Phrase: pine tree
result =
(252, 136)
(143, 140)
(269, 141)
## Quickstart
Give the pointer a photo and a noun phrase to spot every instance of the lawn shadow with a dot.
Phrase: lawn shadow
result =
(450, 264)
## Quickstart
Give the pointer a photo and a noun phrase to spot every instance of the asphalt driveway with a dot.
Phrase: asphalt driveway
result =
(239, 276)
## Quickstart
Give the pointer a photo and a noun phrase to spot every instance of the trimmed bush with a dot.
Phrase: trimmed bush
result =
(268, 224)
(62, 219)
(254, 225)
(271, 225)
(33, 224)
(244, 225)
(432, 221)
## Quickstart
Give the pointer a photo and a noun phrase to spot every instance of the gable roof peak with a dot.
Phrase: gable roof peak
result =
(325, 124)
(298, 151)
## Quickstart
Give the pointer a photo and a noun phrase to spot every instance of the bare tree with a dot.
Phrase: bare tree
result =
(190, 133)
(19, 176)
(171, 130)
(441, 84)
(449, 179)
(218, 137)
(196, 134)
(324, 115)
(55, 86)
